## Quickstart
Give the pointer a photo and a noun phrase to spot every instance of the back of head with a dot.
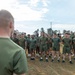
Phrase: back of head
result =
(5, 18)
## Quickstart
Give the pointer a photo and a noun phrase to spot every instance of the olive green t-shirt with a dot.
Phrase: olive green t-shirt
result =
(12, 58)
(67, 42)
(56, 42)
(32, 43)
(43, 40)
(22, 42)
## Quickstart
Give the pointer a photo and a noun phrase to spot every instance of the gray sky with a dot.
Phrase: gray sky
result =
(33, 14)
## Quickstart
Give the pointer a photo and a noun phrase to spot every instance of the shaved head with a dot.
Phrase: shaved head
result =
(5, 18)
(6, 23)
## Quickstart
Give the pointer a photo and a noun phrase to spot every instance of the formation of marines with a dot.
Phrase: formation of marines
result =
(47, 46)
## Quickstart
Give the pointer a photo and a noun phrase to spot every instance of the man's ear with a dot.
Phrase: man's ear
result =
(11, 25)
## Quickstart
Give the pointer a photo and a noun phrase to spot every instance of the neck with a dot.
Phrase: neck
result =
(4, 34)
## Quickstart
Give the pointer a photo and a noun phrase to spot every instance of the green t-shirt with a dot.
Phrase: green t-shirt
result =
(67, 42)
(32, 43)
(56, 41)
(43, 40)
(22, 42)
(12, 58)
(16, 40)
(28, 41)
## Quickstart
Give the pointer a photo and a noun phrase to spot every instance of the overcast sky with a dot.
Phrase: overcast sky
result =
(33, 14)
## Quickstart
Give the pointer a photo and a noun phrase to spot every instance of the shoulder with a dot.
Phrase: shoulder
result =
(15, 47)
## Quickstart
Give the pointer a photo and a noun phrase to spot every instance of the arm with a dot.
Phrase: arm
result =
(20, 63)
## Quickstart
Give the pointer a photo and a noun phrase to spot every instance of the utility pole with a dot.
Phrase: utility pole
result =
(51, 25)
(51, 31)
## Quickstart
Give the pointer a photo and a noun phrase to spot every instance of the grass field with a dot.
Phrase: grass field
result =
(50, 68)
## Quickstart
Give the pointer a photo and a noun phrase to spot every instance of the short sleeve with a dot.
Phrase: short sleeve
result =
(20, 62)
